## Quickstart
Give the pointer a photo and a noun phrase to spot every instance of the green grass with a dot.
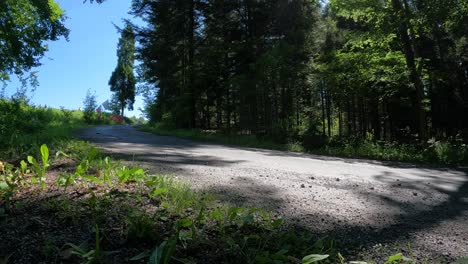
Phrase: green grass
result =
(24, 127)
(436, 152)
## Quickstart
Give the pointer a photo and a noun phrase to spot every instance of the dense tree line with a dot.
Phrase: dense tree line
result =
(228, 65)
(394, 70)
(390, 69)
(399, 68)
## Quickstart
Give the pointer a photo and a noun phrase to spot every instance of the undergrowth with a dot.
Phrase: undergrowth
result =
(438, 152)
(23, 128)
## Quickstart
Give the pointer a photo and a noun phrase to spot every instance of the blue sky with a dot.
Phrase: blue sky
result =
(86, 61)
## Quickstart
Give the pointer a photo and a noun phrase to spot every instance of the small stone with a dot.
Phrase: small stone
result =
(312, 178)
(302, 186)
(337, 179)
(415, 193)
(372, 188)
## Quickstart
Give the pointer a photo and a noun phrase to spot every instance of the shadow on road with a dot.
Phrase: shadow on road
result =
(412, 215)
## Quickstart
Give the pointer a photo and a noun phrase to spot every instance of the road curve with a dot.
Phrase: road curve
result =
(371, 201)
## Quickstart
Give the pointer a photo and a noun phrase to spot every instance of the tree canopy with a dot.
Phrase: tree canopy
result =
(25, 26)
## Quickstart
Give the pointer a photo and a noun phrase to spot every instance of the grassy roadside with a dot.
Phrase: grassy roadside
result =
(442, 153)
(23, 128)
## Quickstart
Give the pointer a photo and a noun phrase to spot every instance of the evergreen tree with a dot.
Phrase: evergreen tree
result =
(364, 69)
(122, 81)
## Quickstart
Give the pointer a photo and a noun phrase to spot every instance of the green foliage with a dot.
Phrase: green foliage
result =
(89, 107)
(40, 169)
(26, 27)
(164, 252)
(314, 258)
(11, 179)
(92, 256)
(122, 81)
(23, 128)
(140, 226)
(435, 152)
(398, 258)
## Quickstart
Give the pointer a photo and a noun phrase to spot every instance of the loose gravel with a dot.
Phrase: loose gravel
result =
(378, 205)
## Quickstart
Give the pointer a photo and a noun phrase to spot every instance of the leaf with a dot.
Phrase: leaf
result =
(24, 166)
(140, 256)
(282, 252)
(45, 155)
(61, 153)
(159, 191)
(358, 262)
(184, 223)
(93, 179)
(394, 258)
(169, 251)
(313, 258)
(277, 223)
(32, 160)
(217, 215)
(155, 257)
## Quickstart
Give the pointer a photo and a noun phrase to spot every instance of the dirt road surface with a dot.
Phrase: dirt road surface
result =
(369, 202)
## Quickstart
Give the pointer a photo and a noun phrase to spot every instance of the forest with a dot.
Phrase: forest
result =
(393, 70)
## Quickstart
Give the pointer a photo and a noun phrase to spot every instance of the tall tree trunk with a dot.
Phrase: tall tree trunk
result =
(404, 30)
(348, 118)
(191, 55)
(340, 124)
(329, 113)
(322, 98)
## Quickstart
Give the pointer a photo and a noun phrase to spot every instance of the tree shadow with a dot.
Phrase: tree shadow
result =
(421, 198)
(415, 217)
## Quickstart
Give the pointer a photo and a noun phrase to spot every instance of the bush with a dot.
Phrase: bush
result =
(24, 127)
(447, 153)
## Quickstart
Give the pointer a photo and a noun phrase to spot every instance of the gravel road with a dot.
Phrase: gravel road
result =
(375, 203)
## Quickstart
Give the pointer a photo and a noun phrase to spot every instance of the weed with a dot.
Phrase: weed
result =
(125, 174)
(140, 226)
(10, 180)
(93, 256)
(65, 180)
(40, 169)
(163, 254)
(314, 258)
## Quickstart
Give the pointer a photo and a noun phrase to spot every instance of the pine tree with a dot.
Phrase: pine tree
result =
(122, 81)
